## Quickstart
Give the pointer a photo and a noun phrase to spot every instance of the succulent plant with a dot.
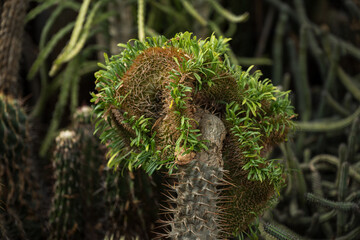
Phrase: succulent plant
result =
(150, 101)
(66, 220)
(130, 204)
(92, 154)
(92, 160)
(18, 199)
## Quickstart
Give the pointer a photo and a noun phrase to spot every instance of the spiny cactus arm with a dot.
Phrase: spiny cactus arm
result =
(342, 206)
(280, 232)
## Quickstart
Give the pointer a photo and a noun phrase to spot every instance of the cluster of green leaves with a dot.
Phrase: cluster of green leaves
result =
(189, 137)
(251, 123)
(247, 132)
(205, 62)
(143, 153)
(206, 55)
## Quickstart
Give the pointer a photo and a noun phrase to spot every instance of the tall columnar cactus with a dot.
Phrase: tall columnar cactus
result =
(92, 159)
(17, 198)
(92, 154)
(65, 213)
(150, 101)
(12, 21)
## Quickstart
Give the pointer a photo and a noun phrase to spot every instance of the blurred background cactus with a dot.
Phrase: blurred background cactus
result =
(19, 191)
(49, 50)
(65, 219)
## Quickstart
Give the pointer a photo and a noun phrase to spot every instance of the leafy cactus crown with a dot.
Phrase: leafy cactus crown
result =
(149, 95)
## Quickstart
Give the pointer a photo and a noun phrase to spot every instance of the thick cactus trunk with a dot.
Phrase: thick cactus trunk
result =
(196, 215)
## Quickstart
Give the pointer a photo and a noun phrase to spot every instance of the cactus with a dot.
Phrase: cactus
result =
(116, 193)
(18, 198)
(92, 156)
(150, 100)
(119, 206)
(196, 190)
(130, 202)
(78, 164)
(66, 211)
(280, 232)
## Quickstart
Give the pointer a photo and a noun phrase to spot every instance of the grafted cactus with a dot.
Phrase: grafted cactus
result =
(65, 213)
(18, 199)
(150, 101)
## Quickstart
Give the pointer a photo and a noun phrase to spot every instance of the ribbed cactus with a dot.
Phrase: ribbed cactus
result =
(92, 154)
(66, 219)
(196, 215)
(116, 191)
(18, 199)
(92, 159)
(150, 101)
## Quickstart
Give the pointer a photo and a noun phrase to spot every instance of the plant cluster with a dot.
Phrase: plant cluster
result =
(149, 97)
(85, 189)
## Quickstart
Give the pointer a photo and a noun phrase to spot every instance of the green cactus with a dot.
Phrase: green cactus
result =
(116, 191)
(92, 153)
(66, 209)
(18, 199)
(92, 157)
(149, 103)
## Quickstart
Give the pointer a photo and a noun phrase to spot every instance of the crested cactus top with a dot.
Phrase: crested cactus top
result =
(149, 94)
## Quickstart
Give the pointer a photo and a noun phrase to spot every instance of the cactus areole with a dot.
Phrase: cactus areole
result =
(150, 100)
